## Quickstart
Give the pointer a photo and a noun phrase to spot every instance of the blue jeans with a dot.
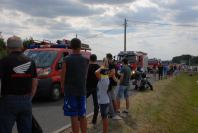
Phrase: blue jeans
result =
(16, 108)
(123, 92)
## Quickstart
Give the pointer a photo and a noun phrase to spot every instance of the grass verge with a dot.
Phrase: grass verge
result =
(171, 108)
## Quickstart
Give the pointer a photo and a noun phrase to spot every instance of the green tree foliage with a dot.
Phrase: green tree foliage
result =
(187, 59)
(27, 42)
(3, 52)
(2, 44)
(194, 60)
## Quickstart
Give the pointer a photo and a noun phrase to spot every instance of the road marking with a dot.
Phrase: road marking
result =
(69, 125)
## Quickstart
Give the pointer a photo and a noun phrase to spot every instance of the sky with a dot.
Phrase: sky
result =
(161, 28)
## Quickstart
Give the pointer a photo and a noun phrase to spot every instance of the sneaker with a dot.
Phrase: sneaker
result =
(125, 111)
(123, 115)
(116, 117)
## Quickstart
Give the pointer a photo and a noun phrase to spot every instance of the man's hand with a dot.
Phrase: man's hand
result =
(63, 75)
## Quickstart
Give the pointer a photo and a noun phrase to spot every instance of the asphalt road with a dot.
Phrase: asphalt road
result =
(50, 114)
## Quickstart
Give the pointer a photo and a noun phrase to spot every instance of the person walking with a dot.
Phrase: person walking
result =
(92, 82)
(18, 87)
(125, 74)
(103, 98)
(73, 80)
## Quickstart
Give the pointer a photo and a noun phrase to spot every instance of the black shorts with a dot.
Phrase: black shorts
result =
(104, 110)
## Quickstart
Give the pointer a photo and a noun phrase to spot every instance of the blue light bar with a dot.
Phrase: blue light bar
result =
(33, 46)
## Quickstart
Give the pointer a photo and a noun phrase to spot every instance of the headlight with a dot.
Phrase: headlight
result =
(133, 72)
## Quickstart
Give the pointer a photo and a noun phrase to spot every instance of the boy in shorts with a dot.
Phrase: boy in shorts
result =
(103, 98)
(74, 73)
(125, 75)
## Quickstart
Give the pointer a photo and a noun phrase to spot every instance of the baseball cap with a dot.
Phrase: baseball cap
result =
(14, 42)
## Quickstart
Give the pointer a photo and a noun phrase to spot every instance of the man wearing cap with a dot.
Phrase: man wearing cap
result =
(19, 83)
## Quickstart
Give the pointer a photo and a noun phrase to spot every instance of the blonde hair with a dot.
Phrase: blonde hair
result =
(105, 62)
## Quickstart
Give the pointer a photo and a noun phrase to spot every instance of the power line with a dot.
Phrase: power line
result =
(165, 24)
(94, 36)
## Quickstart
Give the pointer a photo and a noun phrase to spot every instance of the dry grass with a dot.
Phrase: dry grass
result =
(171, 108)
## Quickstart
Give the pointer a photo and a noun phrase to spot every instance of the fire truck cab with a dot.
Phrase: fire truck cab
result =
(135, 59)
(48, 58)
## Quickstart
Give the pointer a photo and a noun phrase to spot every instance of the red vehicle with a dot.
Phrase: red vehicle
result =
(135, 59)
(153, 64)
(49, 64)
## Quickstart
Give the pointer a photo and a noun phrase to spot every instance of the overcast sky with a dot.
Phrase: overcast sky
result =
(171, 27)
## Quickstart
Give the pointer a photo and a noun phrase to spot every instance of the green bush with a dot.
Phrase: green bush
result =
(3, 52)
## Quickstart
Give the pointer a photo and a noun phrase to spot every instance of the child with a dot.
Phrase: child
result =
(103, 98)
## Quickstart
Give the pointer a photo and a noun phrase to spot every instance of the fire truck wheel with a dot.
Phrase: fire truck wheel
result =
(55, 92)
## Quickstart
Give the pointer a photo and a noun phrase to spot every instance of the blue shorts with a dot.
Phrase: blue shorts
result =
(104, 110)
(123, 91)
(74, 105)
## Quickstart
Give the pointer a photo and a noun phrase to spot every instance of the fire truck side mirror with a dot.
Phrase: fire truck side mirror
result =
(59, 65)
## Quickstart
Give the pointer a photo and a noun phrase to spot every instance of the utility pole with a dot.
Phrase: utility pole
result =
(125, 25)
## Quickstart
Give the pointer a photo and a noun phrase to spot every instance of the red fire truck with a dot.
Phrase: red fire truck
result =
(153, 64)
(135, 59)
(48, 58)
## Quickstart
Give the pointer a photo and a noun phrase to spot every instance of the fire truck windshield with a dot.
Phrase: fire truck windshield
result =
(42, 59)
(130, 58)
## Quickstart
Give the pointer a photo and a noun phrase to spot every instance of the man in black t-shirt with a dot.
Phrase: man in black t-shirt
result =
(73, 80)
(92, 82)
(18, 86)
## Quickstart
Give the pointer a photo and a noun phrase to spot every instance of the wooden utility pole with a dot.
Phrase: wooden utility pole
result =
(125, 25)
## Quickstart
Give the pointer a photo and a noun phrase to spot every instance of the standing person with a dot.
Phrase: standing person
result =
(92, 82)
(160, 71)
(165, 70)
(155, 71)
(103, 98)
(125, 74)
(112, 86)
(18, 78)
(74, 73)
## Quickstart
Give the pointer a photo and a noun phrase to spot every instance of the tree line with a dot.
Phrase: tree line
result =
(186, 59)
(3, 51)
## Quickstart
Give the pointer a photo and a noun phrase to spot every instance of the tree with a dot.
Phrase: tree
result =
(194, 60)
(182, 59)
(3, 52)
(2, 44)
(187, 59)
(27, 42)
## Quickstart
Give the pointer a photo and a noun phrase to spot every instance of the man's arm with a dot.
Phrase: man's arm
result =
(1, 69)
(34, 80)
(34, 86)
(121, 77)
(112, 74)
(97, 73)
(63, 75)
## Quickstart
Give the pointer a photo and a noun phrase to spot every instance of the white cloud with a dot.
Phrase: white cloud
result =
(100, 23)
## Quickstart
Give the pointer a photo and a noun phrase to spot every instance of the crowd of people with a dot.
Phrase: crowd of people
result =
(80, 78)
(165, 71)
